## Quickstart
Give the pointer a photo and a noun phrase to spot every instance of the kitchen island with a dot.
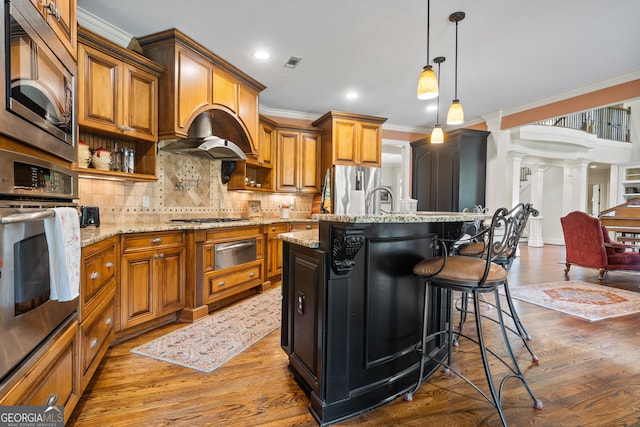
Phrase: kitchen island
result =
(352, 307)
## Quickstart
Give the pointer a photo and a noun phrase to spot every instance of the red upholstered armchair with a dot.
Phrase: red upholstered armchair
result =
(587, 244)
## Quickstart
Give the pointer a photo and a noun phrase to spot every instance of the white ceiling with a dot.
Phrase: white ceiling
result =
(512, 53)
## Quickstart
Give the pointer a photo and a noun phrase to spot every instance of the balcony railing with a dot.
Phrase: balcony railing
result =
(607, 122)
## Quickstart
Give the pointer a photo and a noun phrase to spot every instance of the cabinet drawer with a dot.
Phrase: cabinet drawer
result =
(145, 241)
(302, 226)
(220, 286)
(96, 336)
(277, 228)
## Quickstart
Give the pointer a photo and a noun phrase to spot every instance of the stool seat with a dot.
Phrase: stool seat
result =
(460, 269)
(471, 249)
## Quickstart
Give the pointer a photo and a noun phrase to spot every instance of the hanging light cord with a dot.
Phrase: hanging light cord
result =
(428, 19)
(456, 66)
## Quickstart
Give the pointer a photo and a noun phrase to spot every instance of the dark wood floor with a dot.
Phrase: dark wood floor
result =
(588, 375)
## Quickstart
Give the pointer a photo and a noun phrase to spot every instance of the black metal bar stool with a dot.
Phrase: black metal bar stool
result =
(475, 277)
(512, 228)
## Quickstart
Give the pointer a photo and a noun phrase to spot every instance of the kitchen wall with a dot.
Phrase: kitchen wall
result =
(187, 187)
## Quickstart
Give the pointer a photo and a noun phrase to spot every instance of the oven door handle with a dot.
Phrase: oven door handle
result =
(27, 217)
(236, 246)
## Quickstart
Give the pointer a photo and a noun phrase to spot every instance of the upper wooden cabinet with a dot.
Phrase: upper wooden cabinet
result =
(350, 139)
(298, 157)
(61, 15)
(117, 90)
(197, 80)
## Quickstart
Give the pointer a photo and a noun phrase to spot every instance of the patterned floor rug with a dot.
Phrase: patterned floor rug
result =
(210, 342)
(584, 300)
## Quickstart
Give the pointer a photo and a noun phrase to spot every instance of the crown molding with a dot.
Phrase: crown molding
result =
(103, 28)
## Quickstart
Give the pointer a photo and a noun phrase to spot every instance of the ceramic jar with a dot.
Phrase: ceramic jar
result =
(101, 159)
(84, 154)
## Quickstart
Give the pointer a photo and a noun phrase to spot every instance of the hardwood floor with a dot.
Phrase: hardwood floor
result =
(588, 376)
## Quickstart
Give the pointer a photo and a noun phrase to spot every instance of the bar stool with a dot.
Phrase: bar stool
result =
(475, 277)
(513, 226)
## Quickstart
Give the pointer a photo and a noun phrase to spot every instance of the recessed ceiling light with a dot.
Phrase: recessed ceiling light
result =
(431, 107)
(351, 94)
(262, 54)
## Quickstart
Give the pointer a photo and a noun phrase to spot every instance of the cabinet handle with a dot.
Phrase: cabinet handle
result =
(94, 342)
(161, 256)
(95, 275)
(155, 256)
(109, 321)
(301, 301)
(221, 283)
(273, 229)
(156, 240)
(253, 273)
(308, 227)
(109, 264)
(52, 10)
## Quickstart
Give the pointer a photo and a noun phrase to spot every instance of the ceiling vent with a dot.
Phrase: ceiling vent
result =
(292, 62)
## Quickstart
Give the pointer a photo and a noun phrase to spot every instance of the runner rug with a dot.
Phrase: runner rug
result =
(212, 341)
(584, 300)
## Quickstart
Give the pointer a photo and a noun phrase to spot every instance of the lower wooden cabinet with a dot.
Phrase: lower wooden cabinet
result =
(55, 373)
(273, 258)
(152, 277)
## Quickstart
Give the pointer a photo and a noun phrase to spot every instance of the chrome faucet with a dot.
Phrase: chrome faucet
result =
(367, 201)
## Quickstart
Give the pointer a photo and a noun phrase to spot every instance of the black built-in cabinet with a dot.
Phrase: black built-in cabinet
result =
(450, 177)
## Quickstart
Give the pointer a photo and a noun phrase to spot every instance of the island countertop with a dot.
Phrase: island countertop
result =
(420, 216)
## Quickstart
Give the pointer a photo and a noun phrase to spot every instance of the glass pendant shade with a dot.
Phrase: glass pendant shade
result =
(455, 116)
(427, 84)
(437, 136)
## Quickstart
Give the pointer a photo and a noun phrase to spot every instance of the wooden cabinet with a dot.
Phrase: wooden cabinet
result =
(98, 283)
(630, 182)
(451, 176)
(303, 225)
(266, 142)
(61, 15)
(153, 275)
(298, 158)
(350, 139)
(118, 95)
(196, 80)
(273, 262)
(220, 284)
(55, 373)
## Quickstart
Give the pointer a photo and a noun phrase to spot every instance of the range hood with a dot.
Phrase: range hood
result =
(202, 142)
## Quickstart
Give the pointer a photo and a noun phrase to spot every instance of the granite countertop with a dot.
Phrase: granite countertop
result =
(90, 235)
(306, 238)
(420, 216)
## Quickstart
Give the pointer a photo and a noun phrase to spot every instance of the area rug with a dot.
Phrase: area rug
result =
(584, 300)
(212, 341)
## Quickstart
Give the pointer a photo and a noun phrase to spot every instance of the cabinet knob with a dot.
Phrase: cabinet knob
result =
(94, 342)
(109, 321)
(95, 275)
(161, 256)
(109, 264)
(308, 227)
(273, 229)
(221, 283)
(156, 240)
(253, 273)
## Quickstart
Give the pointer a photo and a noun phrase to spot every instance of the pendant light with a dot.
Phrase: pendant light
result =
(428, 83)
(455, 116)
(437, 136)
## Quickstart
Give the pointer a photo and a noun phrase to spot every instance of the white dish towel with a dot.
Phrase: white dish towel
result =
(63, 238)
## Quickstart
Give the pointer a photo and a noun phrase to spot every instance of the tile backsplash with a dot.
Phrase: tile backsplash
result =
(186, 187)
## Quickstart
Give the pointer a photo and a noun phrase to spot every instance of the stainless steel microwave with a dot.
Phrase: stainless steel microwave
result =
(39, 82)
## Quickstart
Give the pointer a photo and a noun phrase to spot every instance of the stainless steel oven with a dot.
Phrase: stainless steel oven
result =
(38, 84)
(29, 188)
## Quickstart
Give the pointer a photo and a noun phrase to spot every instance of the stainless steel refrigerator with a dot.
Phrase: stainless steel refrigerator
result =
(349, 186)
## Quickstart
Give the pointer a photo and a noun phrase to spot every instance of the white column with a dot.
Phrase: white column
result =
(575, 191)
(537, 189)
(498, 177)
(516, 164)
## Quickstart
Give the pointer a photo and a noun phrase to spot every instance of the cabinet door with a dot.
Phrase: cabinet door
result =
(288, 164)
(248, 111)
(140, 105)
(309, 167)
(137, 304)
(345, 142)
(266, 141)
(171, 280)
(370, 145)
(98, 90)
(194, 78)
(63, 22)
